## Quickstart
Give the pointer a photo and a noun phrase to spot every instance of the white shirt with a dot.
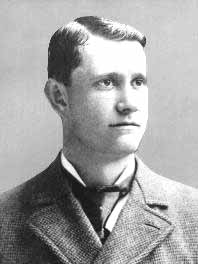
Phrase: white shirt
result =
(111, 221)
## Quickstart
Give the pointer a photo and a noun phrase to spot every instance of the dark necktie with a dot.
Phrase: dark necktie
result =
(98, 202)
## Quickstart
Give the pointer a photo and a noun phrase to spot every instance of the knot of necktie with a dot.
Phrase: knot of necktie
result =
(109, 189)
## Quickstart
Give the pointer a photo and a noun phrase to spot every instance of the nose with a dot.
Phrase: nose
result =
(127, 102)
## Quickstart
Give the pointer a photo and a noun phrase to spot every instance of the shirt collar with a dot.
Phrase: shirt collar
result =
(70, 168)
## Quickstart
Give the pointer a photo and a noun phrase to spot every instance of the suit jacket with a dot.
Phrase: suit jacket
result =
(42, 222)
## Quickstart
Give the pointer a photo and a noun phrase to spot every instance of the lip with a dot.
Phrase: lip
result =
(125, 125)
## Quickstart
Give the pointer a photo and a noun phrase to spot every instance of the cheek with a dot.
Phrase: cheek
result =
(88, 112)
(99, 104)
(98, 110)
(91, 107)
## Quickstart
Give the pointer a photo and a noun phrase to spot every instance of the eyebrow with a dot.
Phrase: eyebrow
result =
(105, 75)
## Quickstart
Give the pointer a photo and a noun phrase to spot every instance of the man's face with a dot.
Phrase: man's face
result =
(108, 97)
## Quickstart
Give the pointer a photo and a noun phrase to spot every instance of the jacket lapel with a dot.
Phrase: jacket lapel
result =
(59, 221)
(142, 225)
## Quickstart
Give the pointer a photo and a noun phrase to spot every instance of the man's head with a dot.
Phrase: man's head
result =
(97, 84)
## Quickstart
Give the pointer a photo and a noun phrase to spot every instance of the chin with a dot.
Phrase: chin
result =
(128, 144)
(125, 149)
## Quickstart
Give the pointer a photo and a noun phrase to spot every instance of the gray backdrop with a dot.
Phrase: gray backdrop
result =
(31, 134)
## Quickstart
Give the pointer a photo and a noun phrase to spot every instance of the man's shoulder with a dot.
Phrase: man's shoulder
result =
(20, 199)
(16, 201)
(177, 195)
(175, 190)
(173, 187)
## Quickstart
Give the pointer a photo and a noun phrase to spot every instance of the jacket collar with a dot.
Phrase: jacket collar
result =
(152, 185)
(58, 219)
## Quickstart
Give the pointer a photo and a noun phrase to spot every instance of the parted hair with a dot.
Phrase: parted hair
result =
(63, 52)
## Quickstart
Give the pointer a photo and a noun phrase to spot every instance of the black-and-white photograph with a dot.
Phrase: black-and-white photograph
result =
(99, 132)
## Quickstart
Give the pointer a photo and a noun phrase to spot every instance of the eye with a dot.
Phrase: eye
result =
(105, 84)
(137, 83)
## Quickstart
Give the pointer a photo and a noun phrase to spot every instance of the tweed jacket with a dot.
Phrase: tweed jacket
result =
(42, 222)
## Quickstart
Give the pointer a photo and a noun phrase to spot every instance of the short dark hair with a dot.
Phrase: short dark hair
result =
(63, 52)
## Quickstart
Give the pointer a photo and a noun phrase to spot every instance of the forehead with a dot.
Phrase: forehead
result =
(101, 55)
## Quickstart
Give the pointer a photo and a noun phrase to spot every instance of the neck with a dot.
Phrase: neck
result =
(95, 168)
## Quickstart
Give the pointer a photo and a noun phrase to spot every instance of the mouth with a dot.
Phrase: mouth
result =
(125, 124)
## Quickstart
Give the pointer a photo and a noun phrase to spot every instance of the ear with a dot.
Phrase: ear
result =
(56, 93)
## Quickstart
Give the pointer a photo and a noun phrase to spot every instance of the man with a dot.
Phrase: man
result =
(97, 202)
